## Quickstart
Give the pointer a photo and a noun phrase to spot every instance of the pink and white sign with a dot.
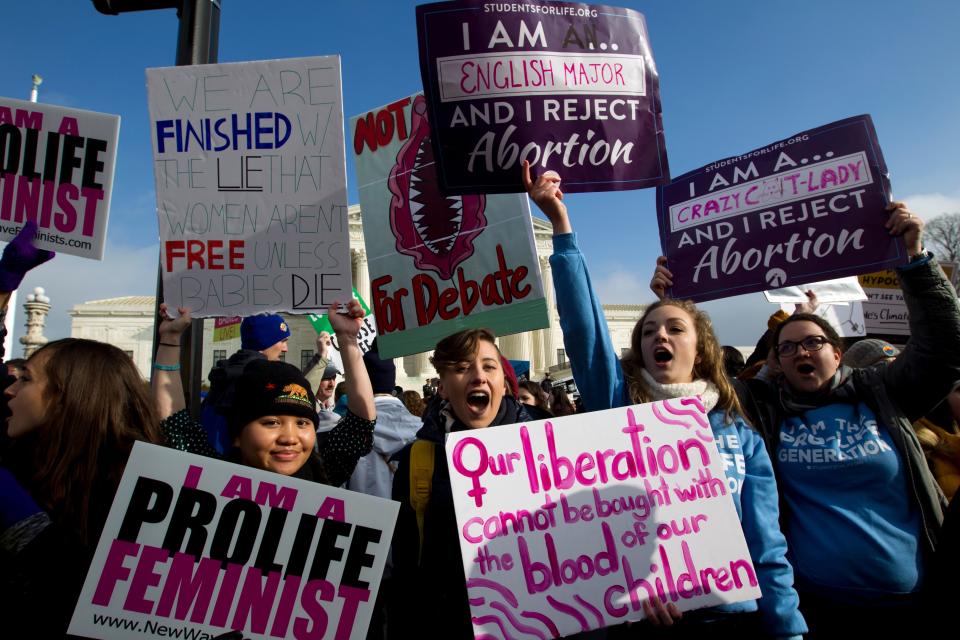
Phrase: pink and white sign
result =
(195, 547)
(569, 524)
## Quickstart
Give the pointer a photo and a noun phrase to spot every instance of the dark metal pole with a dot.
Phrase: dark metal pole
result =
(197, 42)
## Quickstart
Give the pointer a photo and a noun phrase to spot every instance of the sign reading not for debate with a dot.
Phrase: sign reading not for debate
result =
(570, 87)
(195, 547)
(438, 263)
(808, 208)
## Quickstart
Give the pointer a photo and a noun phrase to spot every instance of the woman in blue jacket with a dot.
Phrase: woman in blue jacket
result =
(675, 353)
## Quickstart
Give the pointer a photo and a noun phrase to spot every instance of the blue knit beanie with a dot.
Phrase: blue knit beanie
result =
(262, 331)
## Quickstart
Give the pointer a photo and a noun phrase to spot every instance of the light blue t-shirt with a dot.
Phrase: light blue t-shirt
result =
(852, 527)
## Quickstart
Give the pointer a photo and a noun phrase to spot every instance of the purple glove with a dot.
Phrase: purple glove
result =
(15, 503)
(20, 256)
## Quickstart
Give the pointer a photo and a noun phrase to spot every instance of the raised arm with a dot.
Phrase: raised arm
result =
(19, 256)
(359, 390)
(166, 382)
(929, 367)
(595, 364)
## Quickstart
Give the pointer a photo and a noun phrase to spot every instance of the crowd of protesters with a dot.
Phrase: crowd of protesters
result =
(864, 545)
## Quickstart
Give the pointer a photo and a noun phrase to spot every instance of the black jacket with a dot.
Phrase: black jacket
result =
(429, 593)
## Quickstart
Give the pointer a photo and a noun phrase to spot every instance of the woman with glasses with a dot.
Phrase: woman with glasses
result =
(674, 353)
(861, 510)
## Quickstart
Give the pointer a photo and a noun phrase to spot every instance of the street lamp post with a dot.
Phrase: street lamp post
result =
(197, 43)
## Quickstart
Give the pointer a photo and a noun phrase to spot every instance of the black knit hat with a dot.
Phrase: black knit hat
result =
(383, 373)
(269, 388)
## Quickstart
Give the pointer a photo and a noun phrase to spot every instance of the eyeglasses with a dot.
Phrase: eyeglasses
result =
(810, 344)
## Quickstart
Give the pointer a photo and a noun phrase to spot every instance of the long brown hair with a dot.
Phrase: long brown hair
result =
(98, 406)
(707, 366)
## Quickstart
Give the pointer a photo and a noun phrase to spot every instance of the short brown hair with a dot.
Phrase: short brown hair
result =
(460, 347)
(833, 338)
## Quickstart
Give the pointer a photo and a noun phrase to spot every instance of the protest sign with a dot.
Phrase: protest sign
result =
(847, 319)
(830, 291)
(194, 547)
(365, 337)
(885, 311)
(226, 328)
(56, 168)
(569, 524)
(251, 185)
(568, 86)
(438, 263)
(804, 209)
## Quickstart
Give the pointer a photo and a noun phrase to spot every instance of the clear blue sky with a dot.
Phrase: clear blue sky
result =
(734, 75)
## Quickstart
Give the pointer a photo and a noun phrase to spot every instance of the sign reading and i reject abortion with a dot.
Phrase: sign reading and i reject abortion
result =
(569, 524)
(194, 547)
(808, 208)
(251, 186)
(56, 168)
(570, 87)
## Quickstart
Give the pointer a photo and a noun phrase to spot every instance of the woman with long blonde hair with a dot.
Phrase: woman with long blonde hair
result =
(674, 353)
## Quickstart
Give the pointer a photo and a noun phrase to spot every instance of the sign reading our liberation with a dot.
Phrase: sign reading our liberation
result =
(569, 524)
(195, 547)
(808, 208)
(251, 186)
(56, 168)
(438, 263)
(568, 86)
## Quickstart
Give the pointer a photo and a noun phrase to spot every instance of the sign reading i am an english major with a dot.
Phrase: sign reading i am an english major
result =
(570, 87)
(808, 208)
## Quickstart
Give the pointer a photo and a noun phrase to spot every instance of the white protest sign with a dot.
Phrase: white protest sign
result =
(833, 291)
(569, 524)
(195, 547)
(251, 185)
(365, 337)
(846, 318)
(56, 167)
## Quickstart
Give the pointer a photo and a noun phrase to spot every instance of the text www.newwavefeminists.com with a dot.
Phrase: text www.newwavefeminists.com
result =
(52, 238)
(151, 627)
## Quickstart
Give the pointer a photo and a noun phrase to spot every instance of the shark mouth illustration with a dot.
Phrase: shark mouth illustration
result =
(436, 230)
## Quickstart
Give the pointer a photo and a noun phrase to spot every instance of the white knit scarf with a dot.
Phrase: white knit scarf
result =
(704, 388)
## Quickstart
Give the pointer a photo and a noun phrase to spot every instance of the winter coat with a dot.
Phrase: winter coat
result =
(430, 593)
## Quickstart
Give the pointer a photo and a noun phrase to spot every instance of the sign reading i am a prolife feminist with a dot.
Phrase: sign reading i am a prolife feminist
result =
(251, 186)
(808, 208)
(569, 524)
(570, 87)
(438, 263)
(195, 547)
(56, 168)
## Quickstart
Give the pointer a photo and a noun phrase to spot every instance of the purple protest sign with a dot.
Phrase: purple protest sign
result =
(808, 208)
(567, 86)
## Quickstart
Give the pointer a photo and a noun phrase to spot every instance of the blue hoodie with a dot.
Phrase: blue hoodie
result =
(750, 480)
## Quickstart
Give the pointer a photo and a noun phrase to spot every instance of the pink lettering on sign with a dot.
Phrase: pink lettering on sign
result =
(554, 471)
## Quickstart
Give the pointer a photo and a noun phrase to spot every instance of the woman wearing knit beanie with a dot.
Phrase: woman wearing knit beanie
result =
(273, 419)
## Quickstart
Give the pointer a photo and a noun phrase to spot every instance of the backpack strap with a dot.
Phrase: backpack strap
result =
(421, 482)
